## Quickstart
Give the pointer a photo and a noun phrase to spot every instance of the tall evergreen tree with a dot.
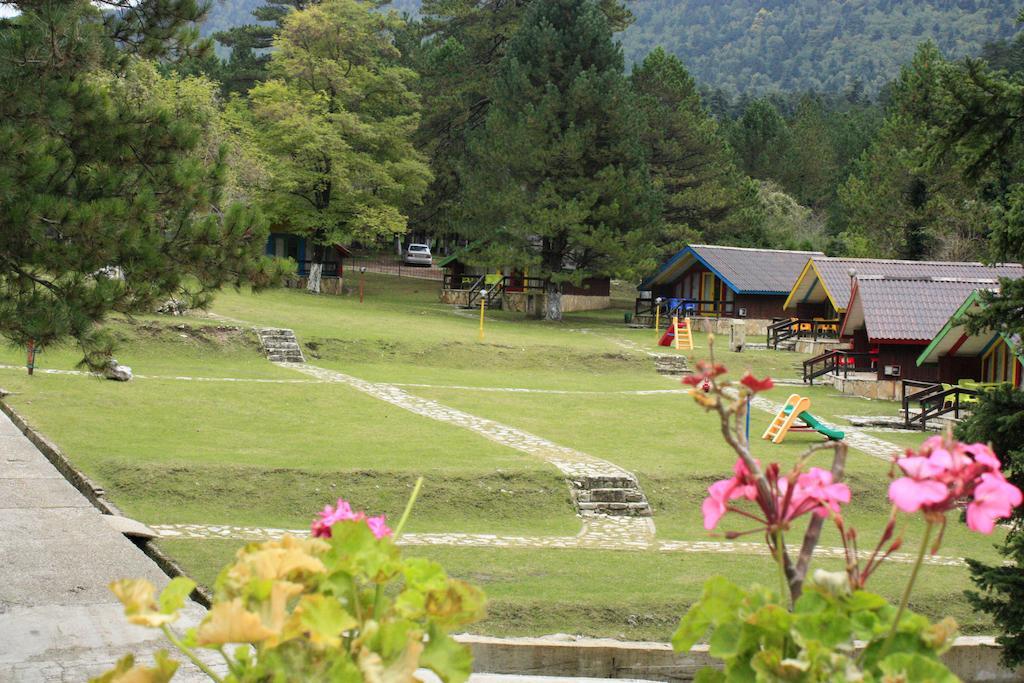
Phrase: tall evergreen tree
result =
(556, 180)
(896, 204)
(335, 126)
(977, 123)
(704, 196)
(760, 138)
(109, 200)
(457, 47)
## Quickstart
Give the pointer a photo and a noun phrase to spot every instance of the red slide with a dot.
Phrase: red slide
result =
(669, 337)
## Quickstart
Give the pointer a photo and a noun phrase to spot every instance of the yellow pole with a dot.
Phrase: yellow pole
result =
(483, 301)
(657, 321)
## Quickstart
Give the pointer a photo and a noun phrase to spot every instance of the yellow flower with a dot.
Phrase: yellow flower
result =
(137, 596)
(231, 622)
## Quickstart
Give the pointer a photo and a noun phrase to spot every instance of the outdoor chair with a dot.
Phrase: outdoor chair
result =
(951, 398)
(968, 384)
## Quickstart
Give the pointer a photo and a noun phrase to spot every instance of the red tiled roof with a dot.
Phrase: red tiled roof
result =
(908, 308)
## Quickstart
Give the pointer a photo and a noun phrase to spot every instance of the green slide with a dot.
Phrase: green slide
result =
(813, 423)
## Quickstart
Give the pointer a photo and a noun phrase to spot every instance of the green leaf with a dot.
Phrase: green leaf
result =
(916, 668)
(725, 641)
(445, 657)
(709, 675)
(325, 617)
(829, 629)
(173, 597)
(718, 603)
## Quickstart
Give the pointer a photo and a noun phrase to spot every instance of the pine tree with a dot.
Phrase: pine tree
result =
(705, 197)
(895, 203)
(109, 198)
(556, 179)
(457, 47)
(978, 123)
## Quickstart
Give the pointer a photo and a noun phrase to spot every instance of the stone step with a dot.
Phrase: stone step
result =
(612, 496)
(280, 345)
(619, 509)
(606, 481)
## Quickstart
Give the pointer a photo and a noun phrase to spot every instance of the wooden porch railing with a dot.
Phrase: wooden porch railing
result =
(801, 328)
(837, 360)
(684, 307)
(934, 400)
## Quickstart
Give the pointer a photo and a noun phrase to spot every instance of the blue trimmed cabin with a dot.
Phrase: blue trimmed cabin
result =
(724, 282)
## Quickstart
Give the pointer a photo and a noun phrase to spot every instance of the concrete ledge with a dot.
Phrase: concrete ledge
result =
(93, 492)
(971, 659)
(97, 496)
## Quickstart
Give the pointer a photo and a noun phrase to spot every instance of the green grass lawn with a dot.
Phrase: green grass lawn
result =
(271, 454)
(636, 595)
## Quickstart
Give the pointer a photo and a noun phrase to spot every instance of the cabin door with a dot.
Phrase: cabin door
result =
(707, 293)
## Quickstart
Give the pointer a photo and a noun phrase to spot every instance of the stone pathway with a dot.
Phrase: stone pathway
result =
(575, 465)
(606, 533)
(585, 472)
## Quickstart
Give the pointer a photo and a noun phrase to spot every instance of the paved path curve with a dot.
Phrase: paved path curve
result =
(594, 536)
(575, 465)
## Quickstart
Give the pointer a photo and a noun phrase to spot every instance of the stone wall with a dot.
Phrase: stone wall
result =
(865, 387)
(720, 326)
(971, 659)
(455, 297)
(816, 348)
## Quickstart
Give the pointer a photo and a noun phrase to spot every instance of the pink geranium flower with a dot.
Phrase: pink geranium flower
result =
(812, 492)
(378, 525)
(817, 489)
(945, 472)
(994, 498)
(343, 512)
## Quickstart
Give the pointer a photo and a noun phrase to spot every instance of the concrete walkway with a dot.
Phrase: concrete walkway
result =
(58, 620)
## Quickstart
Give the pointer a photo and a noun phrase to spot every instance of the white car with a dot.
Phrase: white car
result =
(418, 255)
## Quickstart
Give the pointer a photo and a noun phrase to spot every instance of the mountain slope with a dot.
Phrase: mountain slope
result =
(756, 46)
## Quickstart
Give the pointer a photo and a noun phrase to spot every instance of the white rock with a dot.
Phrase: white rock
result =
(116, 371)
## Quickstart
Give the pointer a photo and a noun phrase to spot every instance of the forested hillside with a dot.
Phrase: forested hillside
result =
(757, 46)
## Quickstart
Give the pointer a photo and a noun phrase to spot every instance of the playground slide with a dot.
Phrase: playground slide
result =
(813, 423)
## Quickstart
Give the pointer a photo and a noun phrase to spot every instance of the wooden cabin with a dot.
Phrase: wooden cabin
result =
(823, 288)
(957, 354)
(894, 319)
(302, 250)
(519, 291)
(725, 282)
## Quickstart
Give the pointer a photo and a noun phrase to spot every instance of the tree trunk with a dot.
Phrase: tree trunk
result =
(553, 302)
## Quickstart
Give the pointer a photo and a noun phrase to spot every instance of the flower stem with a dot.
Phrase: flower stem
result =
(780, 564)
(188, 653)
(408, 508)
(906, 591)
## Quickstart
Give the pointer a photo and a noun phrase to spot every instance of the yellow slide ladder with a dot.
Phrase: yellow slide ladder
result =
(682, 333)
(785, 418)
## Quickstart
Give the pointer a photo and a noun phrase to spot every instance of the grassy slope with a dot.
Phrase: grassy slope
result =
(635, 595)
(270, 454)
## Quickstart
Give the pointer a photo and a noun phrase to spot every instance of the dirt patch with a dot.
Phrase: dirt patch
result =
(206, 335)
